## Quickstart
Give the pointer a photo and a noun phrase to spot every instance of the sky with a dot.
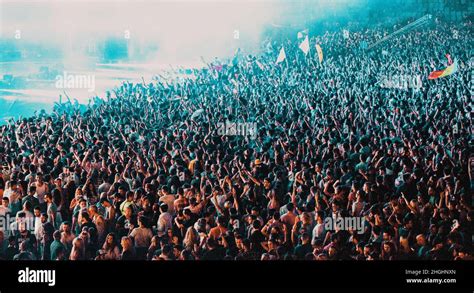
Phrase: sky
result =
(167, 33)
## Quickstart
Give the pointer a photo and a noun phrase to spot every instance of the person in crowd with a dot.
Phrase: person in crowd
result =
(24, 253)
(110, 250)
(57, 248)
(142, 236)
(128, 250)
(78, 251)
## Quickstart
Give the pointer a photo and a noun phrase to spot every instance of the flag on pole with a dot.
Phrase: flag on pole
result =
(302, 34)
(451, 69)
(281, 56)
(304, 46)
(260, 65)
(320, 53)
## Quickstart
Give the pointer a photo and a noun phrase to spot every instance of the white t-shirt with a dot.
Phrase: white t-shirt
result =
(38, 228)
(357, 208)
(104, 187)
(220, 200)
(169, 200)
(52, 210)
(165, 222)
(4, 210)
(318, 232)
(41, 192)
(13, 196)
(28, 215)
(142, 236)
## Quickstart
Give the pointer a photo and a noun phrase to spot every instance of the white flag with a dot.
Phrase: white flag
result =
(302, 34)
(281, 56)
(304, 46)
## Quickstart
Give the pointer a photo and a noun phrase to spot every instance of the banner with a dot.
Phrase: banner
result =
(320, 53)
(281, 56)
(451, 69)
(304, 46)
(302, 34)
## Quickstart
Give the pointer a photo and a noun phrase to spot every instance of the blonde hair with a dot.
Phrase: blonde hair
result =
(78, 249)
(127, 243)
(191, 238)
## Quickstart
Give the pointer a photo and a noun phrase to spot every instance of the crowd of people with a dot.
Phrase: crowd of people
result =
(144, 174)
